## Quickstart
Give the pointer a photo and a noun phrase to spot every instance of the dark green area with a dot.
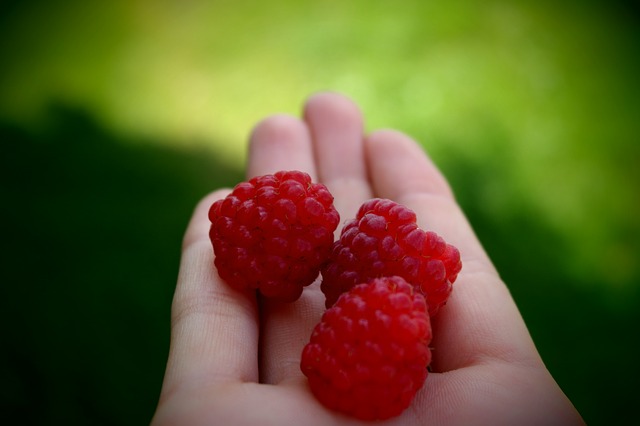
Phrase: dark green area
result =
(91, 230)
(584, 332)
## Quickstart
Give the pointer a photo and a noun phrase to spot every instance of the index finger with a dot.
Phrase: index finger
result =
(214, 328)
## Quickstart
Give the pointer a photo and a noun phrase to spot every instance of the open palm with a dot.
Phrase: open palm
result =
(235, 357)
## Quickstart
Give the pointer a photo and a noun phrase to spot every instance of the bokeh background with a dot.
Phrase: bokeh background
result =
(117, 116)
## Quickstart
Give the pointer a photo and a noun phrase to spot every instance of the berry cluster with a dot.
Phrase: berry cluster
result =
(369, 354)
(383, 280)
(273, 233)
(385, 240)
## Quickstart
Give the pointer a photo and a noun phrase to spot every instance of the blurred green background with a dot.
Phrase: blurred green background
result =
(117, 116)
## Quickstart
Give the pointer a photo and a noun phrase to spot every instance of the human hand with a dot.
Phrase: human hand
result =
(235, 357)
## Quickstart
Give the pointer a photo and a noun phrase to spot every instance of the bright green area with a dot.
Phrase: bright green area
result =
(117, 116)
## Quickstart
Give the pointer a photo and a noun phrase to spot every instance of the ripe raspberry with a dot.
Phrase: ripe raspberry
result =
(369, 354)
(384, 240)
(273, 233)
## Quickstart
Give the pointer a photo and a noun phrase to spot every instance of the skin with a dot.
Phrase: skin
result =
(235, 357)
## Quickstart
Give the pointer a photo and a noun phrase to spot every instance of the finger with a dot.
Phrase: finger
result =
(280, 142)
(480, 318)
(336, 127)
(214, 329)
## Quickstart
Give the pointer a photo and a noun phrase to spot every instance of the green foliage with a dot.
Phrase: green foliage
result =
(92, 227)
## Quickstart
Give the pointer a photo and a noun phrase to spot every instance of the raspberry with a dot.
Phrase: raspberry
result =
(369, 354)
(384, 240)
(273, 233)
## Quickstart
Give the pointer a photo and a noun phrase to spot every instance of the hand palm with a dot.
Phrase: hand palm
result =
(234, 358)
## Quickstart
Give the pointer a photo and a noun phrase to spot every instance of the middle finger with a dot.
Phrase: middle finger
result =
(336, 127)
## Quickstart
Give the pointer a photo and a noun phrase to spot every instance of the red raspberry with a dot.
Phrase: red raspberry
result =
(384, 240)
(273, 233)
(369, 354)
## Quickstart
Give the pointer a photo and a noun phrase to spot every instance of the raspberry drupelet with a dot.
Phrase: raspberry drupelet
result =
(369, 354)
(385, 240)
(273, 233)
